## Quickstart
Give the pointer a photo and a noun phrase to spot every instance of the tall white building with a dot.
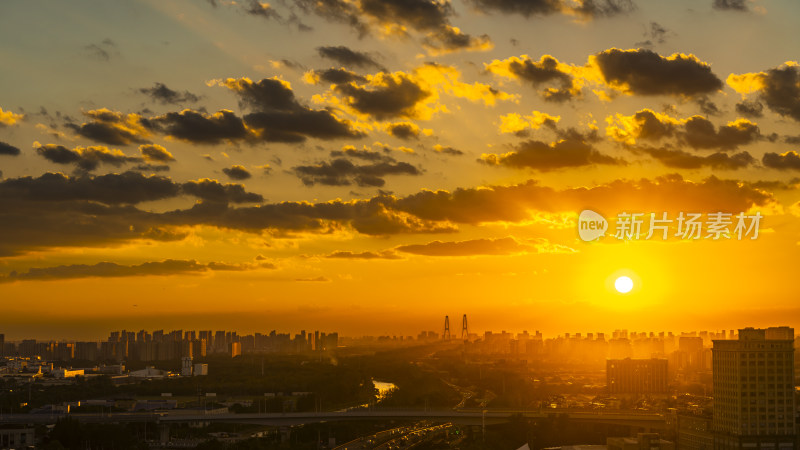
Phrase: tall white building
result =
(186, 366)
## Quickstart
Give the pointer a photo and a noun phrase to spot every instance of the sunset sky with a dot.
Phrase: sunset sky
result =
(370, 166)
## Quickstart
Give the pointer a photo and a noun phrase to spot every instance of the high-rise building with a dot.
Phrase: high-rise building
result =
(754, 390)
(636, 376)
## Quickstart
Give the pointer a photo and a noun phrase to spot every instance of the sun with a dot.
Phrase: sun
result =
(623, 284)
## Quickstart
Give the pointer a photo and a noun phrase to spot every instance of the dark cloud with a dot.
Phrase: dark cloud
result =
(655, 32)
(8, 149)
(88, 158)
(429, 17)
(447, 150)
(213, 190)
(750, 108)
(151, 168)
(342, 172)
(337, 76)
(730, 5)
(349, 58)
(110, 189)
(644, 72)
(155, 153)
(363, 255)
(781, 90)
(114, 270)
(708, 107)
(102, 51)
(319, 279)
(791, 139)
(556, 83)
(474, 247)
(700, 134)
(338, 11)
(604, 8)
(164, 95)
(392, 96)
(449, 39)
(259, 9)
(112, 127)
(541, 156)
(201, 128)
(784, 161)
(279, 117)
(683, 160)
(237, 173)
(367, 155)
(404, 130)
(528, 8)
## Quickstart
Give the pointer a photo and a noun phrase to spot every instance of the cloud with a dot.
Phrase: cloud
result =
(475, 247)
(320, 279)
(654, 33)
(201, 128)
(85, 158)
(114, 270)
(413, 95)
(645, 124)
(112, 127)
(750, 108)
(447, 150)
(448, 39)
(102, 51)
(236, 172)
(700, 133)
(730, 5)
(696, 131)
(558, 155)
(363, 255)
(155, 153)
(396, 18)
(256, 8)
(8, 149)
(559, 82)
(164, 95)
(386, 96)
(342, 172)
(56, 210)
(332, 76)
(404, 130)
(784, 161)
(517, 124)
(279, 117)
(683, 160)
(778, 88)
(213, 190)
(8, 118)
(365, 154)
(515, 203)
(644, 72)
(583, 8)
(347, 57)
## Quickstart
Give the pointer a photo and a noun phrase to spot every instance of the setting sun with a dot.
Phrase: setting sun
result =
(623, 285)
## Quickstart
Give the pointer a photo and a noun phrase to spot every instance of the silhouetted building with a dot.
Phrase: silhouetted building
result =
(695, 431)
(636, 376)
(642, 441)
(754, 390)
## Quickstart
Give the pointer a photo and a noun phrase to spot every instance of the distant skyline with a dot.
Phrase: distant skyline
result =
(370, 166)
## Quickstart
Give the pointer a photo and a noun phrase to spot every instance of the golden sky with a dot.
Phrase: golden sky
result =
(370, 166)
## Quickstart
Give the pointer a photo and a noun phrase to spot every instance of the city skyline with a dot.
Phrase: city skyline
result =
(374, 165)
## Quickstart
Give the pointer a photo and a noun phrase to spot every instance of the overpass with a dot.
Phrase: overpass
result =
(641, 419)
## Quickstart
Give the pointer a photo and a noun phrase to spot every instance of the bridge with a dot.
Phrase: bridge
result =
(642, 419)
